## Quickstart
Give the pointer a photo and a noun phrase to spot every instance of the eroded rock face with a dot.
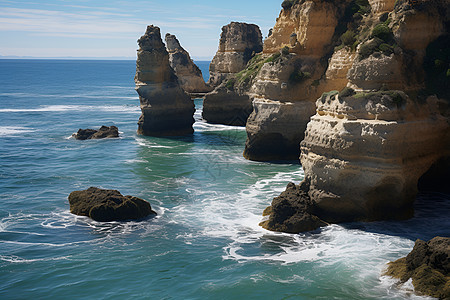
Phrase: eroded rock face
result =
(428, 265)
(226, 106)
(238, 43)
(275, 129)
(166, 109)
(311, 22)
(290, 78)
(189, 75)
(363, 155)
(101, 133)
(108, 205)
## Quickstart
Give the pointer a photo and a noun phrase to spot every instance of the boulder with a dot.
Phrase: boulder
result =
(292, 212)
(108, 205)
(428, 265)
(103, 132)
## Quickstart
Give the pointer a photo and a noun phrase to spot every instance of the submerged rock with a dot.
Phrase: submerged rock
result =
(428, 265)
(166, 109)
(108, 205)
(103, 132)
(189, 75)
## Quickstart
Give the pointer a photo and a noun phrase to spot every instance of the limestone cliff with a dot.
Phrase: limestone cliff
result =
(239, 42)
(189, 75)
(378, 44)
(166, 109)
(367, 146)
(364, 154)
(290, 79)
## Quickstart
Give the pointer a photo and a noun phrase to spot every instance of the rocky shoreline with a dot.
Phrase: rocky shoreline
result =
(357, 90)
(427, 266)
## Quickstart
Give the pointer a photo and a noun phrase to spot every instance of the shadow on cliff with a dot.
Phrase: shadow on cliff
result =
(431, 218)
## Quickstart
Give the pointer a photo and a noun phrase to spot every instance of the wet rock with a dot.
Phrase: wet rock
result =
(428, 265)
(108, 205)
(292, 212)
(103, 132)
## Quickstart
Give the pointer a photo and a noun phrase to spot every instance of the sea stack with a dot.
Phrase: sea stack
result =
(229, 104)
(189, 75)
(166, 109)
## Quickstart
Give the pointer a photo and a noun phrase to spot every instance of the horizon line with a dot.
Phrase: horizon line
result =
(85, 58)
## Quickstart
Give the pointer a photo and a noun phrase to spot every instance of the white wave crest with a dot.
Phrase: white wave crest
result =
(14, 131)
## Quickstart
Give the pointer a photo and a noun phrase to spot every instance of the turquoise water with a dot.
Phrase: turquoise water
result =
(205, 242)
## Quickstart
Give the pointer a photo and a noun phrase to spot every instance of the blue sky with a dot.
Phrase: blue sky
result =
(106, 29)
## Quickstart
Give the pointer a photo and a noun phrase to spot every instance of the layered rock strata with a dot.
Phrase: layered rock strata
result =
(239, 42)
(166, 109)
(364, 154)
(290, 79)
(189, 75)
(108, 205)
(378, 44)
(368, 147)
(428, 265)
(102, 133)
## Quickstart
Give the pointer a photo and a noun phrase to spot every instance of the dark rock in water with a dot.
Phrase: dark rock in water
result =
(108, 205)
(292, 212)
(103, 132)
(428, 264)
(225, 106)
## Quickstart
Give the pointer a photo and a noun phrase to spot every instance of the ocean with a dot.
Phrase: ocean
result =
(205, 242)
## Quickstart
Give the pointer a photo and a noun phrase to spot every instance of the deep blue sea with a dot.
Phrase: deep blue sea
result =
(205, 242)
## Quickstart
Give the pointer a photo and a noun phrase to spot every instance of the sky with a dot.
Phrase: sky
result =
(110, 28)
